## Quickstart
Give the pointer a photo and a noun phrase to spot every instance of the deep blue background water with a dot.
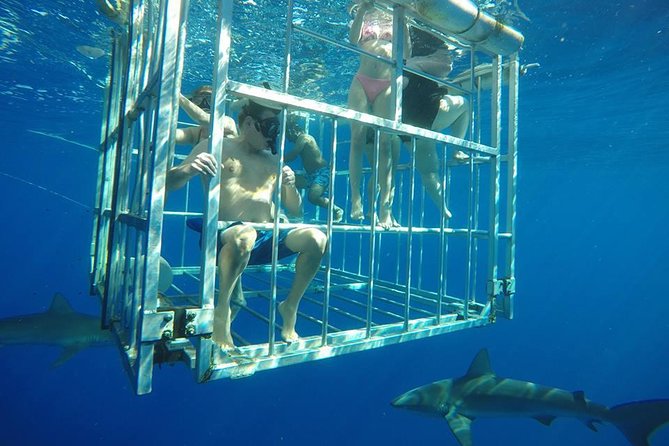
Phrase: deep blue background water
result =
(592, 255)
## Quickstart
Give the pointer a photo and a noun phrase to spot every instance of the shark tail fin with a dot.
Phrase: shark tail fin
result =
(640, 419)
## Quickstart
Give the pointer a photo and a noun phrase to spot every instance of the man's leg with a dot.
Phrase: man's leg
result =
(310, 243)
(237, 299)
(234, 255)
(316, 197)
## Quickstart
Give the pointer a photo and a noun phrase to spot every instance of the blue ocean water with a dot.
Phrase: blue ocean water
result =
(592, 253)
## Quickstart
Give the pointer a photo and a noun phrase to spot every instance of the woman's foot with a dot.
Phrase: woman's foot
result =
(460, 157)
(356, 209)
(386, 219)
(447, 214)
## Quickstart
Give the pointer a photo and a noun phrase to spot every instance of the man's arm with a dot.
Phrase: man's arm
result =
(187, 136)
(196, 113)
(293, 153)
(290, 197)
(203, 118)
(198, 162)
(304, 141)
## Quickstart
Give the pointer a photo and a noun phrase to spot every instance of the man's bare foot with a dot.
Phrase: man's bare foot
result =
(356, 209)
(222, 333)
(460, 157)
(289, 316)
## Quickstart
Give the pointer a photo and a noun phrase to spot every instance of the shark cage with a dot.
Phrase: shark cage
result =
(416, 275)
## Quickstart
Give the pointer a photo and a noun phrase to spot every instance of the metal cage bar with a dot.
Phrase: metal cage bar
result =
(210, 217)
(512, 179)
(493, 214)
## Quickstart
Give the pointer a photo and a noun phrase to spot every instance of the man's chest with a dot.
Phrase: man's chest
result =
(250, 172)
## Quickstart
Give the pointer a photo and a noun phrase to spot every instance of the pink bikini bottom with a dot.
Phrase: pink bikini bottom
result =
(372, 86)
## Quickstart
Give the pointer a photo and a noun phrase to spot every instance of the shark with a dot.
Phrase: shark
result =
(60, 325)
(481, 393)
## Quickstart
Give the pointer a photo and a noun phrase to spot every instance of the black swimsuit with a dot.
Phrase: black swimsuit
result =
(420, 101)
(421, 97)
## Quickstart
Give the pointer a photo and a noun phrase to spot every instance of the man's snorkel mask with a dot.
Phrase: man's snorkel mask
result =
(269, 127)
(201, 97)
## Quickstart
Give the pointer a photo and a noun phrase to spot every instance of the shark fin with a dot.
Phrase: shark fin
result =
(591, 425)
(546, 420)
(461, 427)
(640, 419)
(579, 397)
(67, 354)
(480, 365)
(60, 305)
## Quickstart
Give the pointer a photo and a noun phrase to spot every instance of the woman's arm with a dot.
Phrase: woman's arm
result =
(356, 27)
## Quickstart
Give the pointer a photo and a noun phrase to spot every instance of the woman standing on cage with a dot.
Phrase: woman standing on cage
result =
(370, 92)
(429, 105)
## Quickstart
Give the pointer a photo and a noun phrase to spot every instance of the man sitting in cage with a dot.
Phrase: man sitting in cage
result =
(248, 180)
